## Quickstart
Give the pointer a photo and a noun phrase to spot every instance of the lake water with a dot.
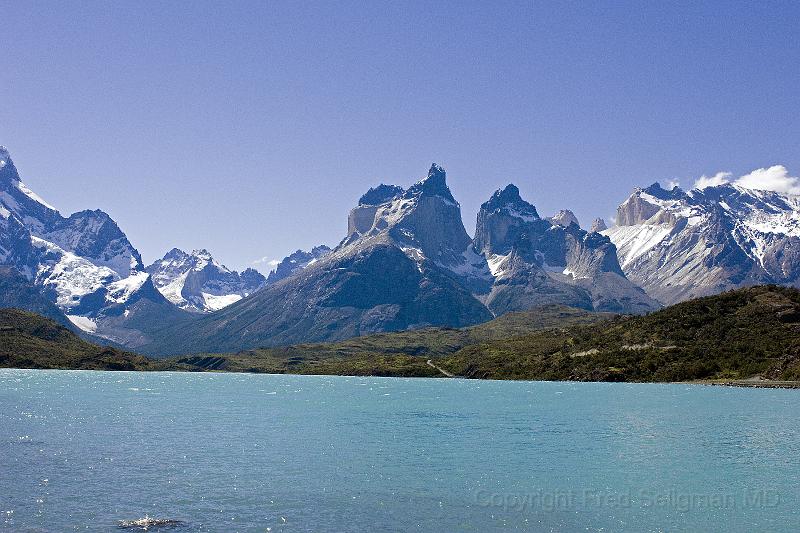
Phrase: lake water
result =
(82, 450)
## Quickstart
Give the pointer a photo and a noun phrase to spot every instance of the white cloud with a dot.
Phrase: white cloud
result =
(720, 178)
(267, 261)
(671, 184)
(775, 178)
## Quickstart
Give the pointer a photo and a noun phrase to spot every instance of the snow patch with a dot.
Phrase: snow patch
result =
(634, 241)
(414, 254)
(216, 302)
(83, 323)
(473, 266)
(120, 291)
(516, 214)
(173, 290)
(497, 264)
(71, 276)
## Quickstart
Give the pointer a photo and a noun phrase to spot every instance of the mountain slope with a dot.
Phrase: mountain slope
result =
(398, 353)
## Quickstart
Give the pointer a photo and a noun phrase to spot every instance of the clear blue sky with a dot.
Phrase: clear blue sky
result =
(251, 128)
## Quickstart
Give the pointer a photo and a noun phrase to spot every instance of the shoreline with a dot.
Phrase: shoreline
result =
(740, 383)
(753, 384)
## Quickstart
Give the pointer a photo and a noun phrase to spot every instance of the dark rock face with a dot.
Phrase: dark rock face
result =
(380, 194)
(15, 244)
(501, 219)
(297, 261)
(679, 245)
(134, 320)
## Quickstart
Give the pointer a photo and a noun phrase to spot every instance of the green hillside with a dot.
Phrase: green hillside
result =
(731, 336)
(28, 340)
(734, 335)
(395, 354)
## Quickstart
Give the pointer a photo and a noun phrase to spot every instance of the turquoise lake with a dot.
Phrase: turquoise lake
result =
(81, 450)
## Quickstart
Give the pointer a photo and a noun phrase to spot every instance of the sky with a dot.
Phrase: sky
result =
(251, 128)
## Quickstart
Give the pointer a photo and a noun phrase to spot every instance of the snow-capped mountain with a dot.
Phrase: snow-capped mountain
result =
(297, 261)
(681, 244)
(84, 263)
(196, 282)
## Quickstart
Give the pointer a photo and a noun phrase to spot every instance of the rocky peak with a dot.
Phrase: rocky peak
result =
(203, 255)
(8, 172)
(23, 202)
(380, 194)
(657, 191)
(636, 210)
(5, 157)
(564, 218)
(509, 199)
(501, 220)
(598, 225)
(198, 283)
(425, 217)
(435, 184)
(175, 254)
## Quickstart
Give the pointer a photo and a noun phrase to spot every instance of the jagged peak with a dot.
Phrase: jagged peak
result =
(175, 252)
(434, 184)
(598, 225)
(5, 156)
(202, 252)
(91, 213)
(564, 218)
(380, 194)
(8, 172)
(509, 198)
(661, 193)
(507, 195)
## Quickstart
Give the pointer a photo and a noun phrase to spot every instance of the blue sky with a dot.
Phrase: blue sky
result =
(251, 128)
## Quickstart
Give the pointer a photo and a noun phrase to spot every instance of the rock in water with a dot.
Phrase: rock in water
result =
(147, 523)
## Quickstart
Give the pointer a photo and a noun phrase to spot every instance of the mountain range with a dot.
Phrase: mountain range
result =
(680, 244)
(406, 262)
